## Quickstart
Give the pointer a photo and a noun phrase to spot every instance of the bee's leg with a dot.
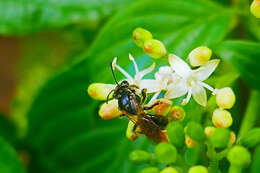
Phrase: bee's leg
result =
(122, 115)
(152, 106)
(134, 128)
(144, 94)
(134, 86)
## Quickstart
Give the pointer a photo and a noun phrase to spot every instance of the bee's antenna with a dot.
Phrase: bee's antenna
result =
(109, 95)
(111, 66)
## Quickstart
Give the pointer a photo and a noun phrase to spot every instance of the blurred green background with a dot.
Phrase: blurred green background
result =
(51, 50)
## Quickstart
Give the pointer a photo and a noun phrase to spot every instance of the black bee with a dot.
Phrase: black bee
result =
(132, 105)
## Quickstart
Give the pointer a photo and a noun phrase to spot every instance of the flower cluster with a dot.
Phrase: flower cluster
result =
(176, 80)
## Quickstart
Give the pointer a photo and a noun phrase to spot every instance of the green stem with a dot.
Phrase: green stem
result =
(213, 165)
(234, 169)
(251, 115)
(181, 161)
(211, 150)
(223, 154)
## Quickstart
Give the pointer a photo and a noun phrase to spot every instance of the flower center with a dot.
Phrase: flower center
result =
(191, 81)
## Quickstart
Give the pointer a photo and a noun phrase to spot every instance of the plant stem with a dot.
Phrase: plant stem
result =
(213, 164)
(251, 115)
(222, 154)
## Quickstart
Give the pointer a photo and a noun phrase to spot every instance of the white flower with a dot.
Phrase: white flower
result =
(149, 84)
(164, 77)
(190, 81)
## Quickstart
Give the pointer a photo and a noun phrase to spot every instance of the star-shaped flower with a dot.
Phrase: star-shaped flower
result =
(190, 81)
(100, 91)
(149, 84)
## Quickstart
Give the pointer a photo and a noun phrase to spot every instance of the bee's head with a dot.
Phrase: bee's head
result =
(120, 88)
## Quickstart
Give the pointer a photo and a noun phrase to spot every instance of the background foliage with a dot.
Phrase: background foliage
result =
(68, 44)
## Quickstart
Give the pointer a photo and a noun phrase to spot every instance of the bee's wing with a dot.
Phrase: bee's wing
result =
(152, 130)
(132, 118)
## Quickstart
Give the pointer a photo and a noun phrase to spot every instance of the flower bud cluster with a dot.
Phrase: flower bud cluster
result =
(225, 99)
(185, 134)
(164, 153)
(152, 47)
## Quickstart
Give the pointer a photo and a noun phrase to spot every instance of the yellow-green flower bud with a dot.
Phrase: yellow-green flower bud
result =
(154, 48)
(165, 153)
(225, 98)
(176, 113)
(220, 137)
(209, 130)
(252, 138)
(222, 118)
(140, 35)
(176, 134)
(239, 156)
(163, 108)
(189, 142)
(169, 170)
(198, 169)
(129, 131)
(195, 131)
(109, 110)
(100, 91)
(232, 139)
(255, 8)
(150, 170)
(199, 56)
(140, 157)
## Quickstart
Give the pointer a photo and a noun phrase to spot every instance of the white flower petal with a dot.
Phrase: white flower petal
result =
(179, 66)
(175, 77)
(176, 90)
(127, 75)
(187, 99)
(133, 60)
(165, 70)
(206, 70)
(151, 85)
(144, 72)
(199, 94)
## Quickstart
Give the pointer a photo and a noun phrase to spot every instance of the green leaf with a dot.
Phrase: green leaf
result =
(7, 128)
(63, 122)
(9, 162)
(23, 17)
(33, 72)
(244, 56)
(251, 114)
(256, 160)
